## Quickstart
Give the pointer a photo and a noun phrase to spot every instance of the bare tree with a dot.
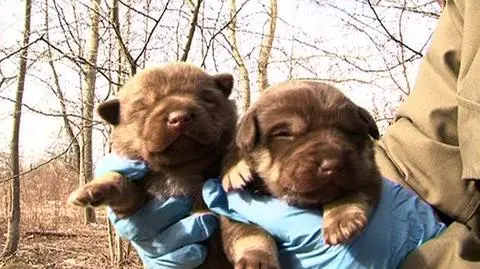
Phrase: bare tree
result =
(88, 104)
(123, 52)
(244, 77)
(125, 59)
(266, 47)
(61, 99)
(13, 234)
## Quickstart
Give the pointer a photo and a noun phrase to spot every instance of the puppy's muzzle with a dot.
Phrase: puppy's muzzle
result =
(311, 168)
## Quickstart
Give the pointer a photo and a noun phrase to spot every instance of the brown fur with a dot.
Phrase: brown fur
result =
(178, 119)
(309, 145)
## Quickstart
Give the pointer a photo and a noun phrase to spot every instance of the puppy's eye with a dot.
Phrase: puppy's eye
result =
(281, 134)
(209, 98)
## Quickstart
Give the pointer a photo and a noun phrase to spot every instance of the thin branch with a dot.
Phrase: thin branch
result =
(123, 47)
(59, 115)
(5, 79)
(402, 53)
(137, 11)
(151, 32)
(191, 31)
(81, 59)
(43, 163)
(210, 42)
(20, 49)
(388, 33)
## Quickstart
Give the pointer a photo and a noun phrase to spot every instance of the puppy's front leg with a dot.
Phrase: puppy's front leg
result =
(348, 216)
(112, 190)
(236, 172)
(248, 246)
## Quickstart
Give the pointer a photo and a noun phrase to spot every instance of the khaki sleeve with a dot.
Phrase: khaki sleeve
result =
(434, 141)
(468, 92)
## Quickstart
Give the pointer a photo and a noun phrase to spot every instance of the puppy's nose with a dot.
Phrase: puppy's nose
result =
(329, 166)
(178, 120)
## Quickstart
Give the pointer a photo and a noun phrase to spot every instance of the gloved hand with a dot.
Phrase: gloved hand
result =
(131, 169)
(164, 233)
(401, 223)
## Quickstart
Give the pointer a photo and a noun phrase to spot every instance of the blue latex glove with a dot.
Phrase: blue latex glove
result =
(131, 169)
(164, 233)
(401, 223)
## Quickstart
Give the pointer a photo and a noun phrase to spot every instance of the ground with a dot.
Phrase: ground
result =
(66, 247)
(52, 232)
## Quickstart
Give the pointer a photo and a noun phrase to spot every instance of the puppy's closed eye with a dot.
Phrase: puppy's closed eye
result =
(281, 133)
(208, 96)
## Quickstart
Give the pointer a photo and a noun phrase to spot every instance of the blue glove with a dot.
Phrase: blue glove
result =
(401, 223)
(164, 233)
(131, 169)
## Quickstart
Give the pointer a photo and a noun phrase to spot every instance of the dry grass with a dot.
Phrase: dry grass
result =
(53, 235)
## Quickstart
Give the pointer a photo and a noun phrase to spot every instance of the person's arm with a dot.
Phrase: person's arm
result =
(433, 146)
(401, 222)
(468, 86)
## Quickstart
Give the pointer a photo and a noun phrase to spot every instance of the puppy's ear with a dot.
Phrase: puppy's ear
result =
(370, 123)
(110, 111)
(224, 82)
(246, 136)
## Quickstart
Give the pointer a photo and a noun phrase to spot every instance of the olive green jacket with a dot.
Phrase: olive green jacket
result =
(433, 146)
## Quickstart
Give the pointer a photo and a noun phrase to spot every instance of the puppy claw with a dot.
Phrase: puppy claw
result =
(256, 260)
(343, 223)
(237, 177)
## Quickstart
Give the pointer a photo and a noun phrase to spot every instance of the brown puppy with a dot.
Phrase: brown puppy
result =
(179, 120)
(306, 143)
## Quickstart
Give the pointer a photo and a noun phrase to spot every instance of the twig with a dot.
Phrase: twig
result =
(83, 60)
(20, 49)
(45, 113)
(210, 42)
(44, 163)
(388, 33)
(51, 233)
(137, 11)
(69, 251)
(151, 32)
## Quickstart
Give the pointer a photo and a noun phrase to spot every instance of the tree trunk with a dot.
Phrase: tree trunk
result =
(88, 104)
(122, 45)
(191, 31)
(6, 202)
(244, 78)
(118, 250)
(13, 234)
(125, 62)
(266, 48)
(111, 234)
(61, 98)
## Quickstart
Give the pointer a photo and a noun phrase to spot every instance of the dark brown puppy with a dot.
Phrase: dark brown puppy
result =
(179, 120)
(309, 145)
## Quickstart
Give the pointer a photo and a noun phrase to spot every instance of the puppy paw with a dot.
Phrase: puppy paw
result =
(342, 223)
(237, 177)
(97, 192)
(257, 259)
